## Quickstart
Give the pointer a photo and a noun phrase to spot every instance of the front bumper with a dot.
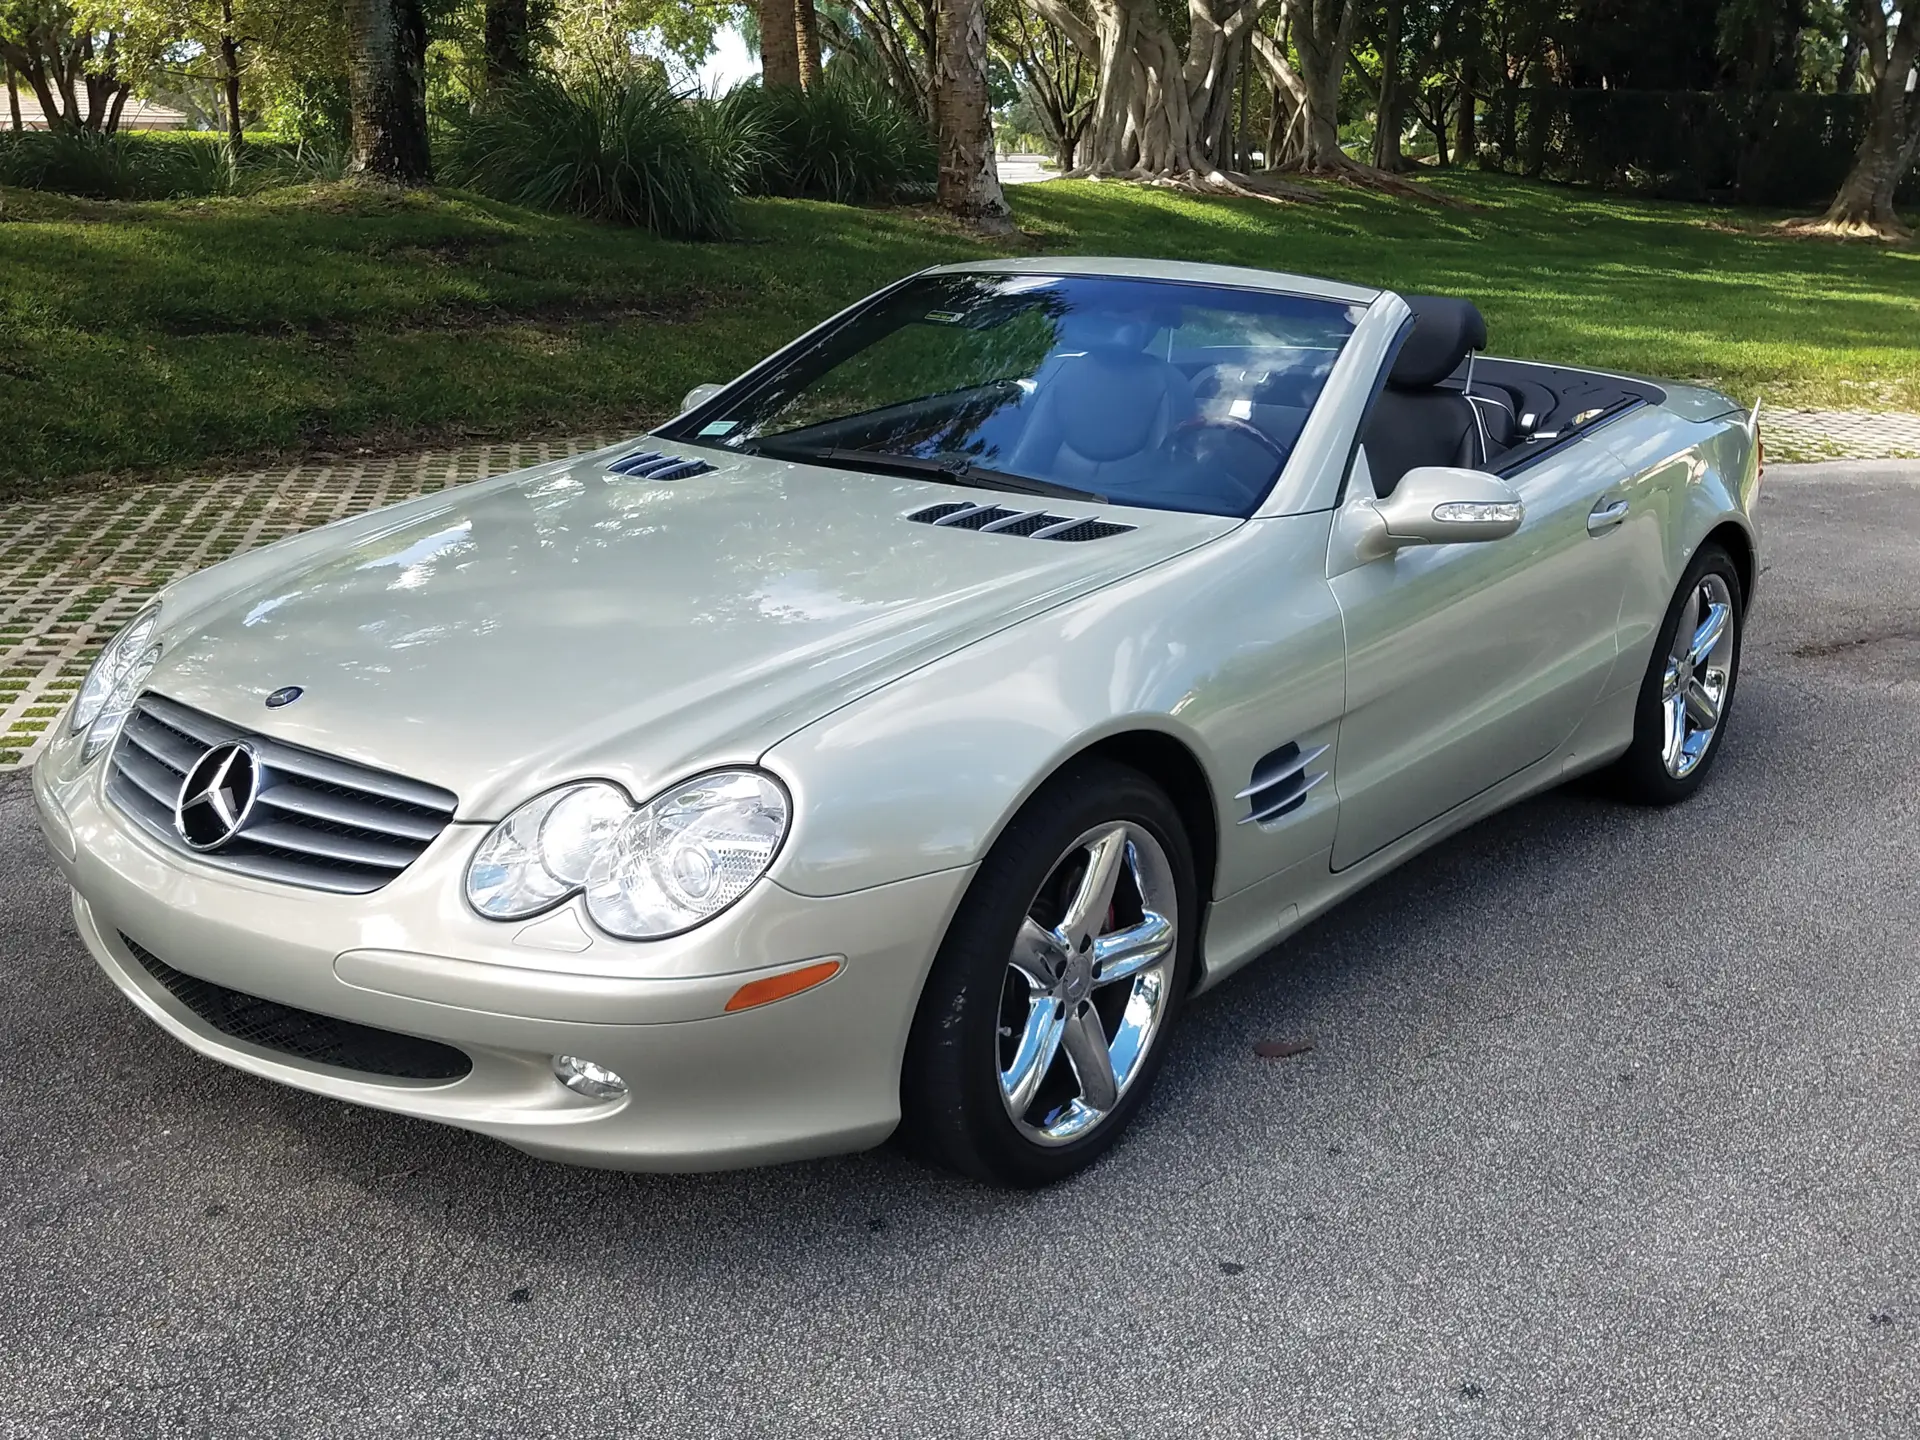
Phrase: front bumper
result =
(814, 1074)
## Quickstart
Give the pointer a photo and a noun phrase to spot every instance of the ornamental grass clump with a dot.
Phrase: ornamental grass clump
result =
(842, 140)
(629, 149)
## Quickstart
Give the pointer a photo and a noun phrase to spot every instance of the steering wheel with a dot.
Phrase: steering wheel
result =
(1235, 425)
(1186, 431)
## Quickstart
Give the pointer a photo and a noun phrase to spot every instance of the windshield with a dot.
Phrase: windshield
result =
(1143, 392)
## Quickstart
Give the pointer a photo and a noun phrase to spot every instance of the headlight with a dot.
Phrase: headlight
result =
(647, 871)
(113, 684)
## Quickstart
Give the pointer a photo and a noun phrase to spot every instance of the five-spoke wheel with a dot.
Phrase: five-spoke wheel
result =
(1047, 1010)
(1688, 689)
(1086, 985)
(1699, 672)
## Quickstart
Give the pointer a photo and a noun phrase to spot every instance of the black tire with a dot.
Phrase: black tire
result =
(952, 1112)
(1640, 777)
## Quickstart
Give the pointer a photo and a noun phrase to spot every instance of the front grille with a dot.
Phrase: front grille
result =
(1000, 520)
(317, 821)
(303, 1034)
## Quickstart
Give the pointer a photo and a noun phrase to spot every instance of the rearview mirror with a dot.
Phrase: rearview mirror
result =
(1445, 505)
(698, 396)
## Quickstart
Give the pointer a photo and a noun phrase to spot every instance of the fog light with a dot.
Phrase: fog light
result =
(583, 1077)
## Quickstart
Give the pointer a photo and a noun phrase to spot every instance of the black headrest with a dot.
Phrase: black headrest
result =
(1444, 330)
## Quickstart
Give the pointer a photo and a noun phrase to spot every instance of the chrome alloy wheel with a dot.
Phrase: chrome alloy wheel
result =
(1088, 983)
(1699, 673)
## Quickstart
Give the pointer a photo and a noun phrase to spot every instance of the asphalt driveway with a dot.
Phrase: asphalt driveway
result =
(1609, 1128)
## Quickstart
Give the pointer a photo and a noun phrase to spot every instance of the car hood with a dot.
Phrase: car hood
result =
(568, 621)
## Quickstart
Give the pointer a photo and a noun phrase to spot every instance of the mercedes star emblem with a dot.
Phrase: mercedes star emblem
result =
(285, 695)
(217, 796)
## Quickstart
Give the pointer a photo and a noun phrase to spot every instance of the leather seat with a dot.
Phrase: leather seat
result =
(1414, 421)
(1102, 415)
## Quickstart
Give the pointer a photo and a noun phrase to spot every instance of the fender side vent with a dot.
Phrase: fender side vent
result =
(652, 465)
(1031, 524)
(1281, 782)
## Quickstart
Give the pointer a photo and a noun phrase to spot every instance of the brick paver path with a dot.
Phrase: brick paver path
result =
(73, 571)
(1840, 435)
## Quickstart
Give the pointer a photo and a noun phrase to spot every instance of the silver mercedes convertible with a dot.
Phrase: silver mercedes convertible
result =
(896, 740)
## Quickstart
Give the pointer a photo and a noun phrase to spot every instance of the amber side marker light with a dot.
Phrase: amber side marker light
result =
(779, 987)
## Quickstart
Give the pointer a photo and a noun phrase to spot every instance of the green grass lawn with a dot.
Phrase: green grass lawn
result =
(152, 338)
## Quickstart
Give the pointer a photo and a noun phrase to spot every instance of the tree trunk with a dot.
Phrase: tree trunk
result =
(1466, 143)
(1538, 122)
(969, 184)
(387, 70)
(509, 52)
(1865, 201)
(230, 76)
(1508, 133)
(1277, 114)
(1322, 33)
(1849, 75)
(1323, 56)
(13, 99)
(779, 43)
(806, 34)
(1388, 108)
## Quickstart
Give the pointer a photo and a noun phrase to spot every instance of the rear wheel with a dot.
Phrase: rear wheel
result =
(1045, 1016)
(1687, 693)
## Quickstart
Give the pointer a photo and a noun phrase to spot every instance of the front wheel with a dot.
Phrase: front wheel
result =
(1687, 693)
(1046, 1013)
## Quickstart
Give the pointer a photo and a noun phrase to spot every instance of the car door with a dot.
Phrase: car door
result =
(1466, 663)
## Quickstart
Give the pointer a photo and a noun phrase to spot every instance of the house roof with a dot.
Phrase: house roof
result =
(137, 114)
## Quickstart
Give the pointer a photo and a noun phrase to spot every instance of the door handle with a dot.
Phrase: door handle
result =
(1606, 515)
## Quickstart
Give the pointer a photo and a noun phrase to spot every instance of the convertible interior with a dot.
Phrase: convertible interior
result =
(1149, 408)
(1444, 405)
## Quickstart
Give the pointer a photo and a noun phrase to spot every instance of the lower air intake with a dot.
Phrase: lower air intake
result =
(320, 1039)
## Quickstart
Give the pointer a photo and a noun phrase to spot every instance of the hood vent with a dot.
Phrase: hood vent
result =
(1281, 782)
(1032, 524)
(652, 465)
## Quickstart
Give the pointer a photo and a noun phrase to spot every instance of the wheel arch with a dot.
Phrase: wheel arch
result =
(1172, 765)
(1732, 537)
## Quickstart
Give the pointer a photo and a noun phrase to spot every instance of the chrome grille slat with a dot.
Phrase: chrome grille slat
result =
(194, 724)
(330, 846)
(151, 778)
(339, 810)
(318, 822)
(283, 760)
(154, 815)
(164, 744)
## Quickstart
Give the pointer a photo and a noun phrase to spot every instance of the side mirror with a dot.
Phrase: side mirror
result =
(1432, 505)
(698, 396)
(1442, 505)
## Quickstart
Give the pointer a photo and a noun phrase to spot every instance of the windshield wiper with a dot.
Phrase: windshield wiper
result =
(955, 471)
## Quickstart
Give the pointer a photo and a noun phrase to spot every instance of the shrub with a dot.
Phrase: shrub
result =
(632, 150)
(96, 167)
(843, 140)
(166, 165)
